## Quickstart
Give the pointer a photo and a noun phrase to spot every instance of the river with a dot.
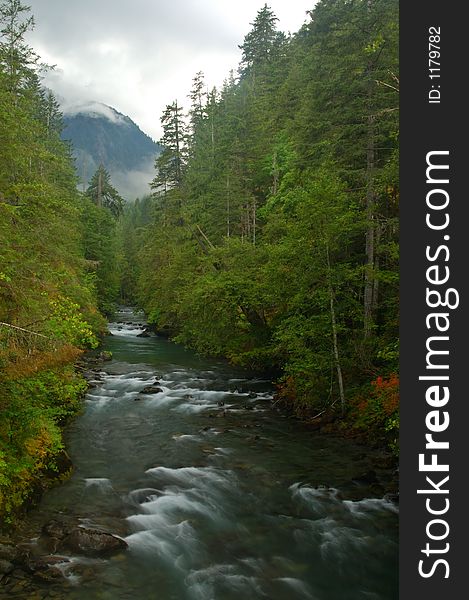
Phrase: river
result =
(219, 495)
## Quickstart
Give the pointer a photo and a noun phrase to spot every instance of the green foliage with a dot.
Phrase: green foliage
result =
(32, 411)
(47, 289)
(103, 194)
(259, 249)
(170, 163)
(101, 251)
(40, 246)
(375, 411)
(262, 45)
(66, 323)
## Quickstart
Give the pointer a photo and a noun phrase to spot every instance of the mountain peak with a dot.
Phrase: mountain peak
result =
(100, 134)
(96, 110)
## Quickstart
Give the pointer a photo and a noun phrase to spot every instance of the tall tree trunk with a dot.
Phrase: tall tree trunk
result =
(228, 207)
(212, 137)
(377, 238)
(100, 188)
(370, 230)
(275, 174)
(335, 343)
(178, 147)
(254, 211)
(368, 306)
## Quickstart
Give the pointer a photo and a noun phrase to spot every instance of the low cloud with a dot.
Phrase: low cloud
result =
(136, 183)
(140, 55)
(92, 109)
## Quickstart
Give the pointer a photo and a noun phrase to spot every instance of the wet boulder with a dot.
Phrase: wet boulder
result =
(46, 568)
(105, 355)
(55, 529)
(151, 389)
(51, 535)
(9, 552)
(92, 542)
(69, 537)
(5, 567)
(144, 334)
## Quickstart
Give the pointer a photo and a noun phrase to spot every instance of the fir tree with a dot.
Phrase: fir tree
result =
(103, 194)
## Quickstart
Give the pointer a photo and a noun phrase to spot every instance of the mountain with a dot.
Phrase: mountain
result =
(101, 134)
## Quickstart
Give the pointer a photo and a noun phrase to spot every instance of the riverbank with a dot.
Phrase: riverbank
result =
(214, 491)
(370, 415)
(33, 457)
(36, 408)
(370, 419)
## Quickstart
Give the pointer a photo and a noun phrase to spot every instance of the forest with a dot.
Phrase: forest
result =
(270, 238)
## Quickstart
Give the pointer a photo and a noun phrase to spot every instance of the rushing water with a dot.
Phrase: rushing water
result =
(218, 495)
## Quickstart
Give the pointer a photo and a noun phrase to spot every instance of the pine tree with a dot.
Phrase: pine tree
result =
(171, 162)
(17, 58)
(261, 46)
(281, 244)
(198, 97)
(103, 194)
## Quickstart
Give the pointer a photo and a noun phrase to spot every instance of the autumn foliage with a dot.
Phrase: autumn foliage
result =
(375, 411)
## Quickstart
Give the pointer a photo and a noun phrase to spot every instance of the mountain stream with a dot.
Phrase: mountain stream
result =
(219, 495)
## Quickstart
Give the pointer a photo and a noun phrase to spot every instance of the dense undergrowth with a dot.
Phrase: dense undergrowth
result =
(271, 236)
(55, 247)
(34, 410)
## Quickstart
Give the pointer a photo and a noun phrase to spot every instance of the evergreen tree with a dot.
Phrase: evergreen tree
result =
(17, 59)
(103, 194)
(171, 162)
(282, 245)
(198, 98)
(262, 45)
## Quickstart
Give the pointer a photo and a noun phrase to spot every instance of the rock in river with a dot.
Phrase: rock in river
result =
(151, 389)
(5, 567)
(146, 333)
(82, 540)
(92, 542)
(9, 552)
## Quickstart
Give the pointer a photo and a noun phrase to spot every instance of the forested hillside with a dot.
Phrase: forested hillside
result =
(53, 250)
(272, 235)
(99, 134)
(270, 238)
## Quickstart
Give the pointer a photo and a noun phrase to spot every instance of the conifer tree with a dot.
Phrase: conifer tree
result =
(262, 44)
(171, 162)
(16, 57)
(103, 194)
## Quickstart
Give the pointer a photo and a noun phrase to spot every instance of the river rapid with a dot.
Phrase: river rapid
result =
(218, 495)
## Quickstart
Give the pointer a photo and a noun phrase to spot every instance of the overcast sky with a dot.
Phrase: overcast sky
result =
(139, 55)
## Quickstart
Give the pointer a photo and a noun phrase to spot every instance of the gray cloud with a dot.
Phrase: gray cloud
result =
(136, 183)
(139, 55)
